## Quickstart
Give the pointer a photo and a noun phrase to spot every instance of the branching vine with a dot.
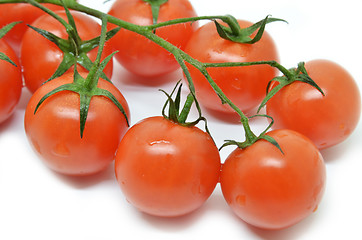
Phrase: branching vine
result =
(227, 27)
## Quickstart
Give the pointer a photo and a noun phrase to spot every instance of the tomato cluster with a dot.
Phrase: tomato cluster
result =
(273, 182)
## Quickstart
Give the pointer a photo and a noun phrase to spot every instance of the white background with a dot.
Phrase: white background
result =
(36, 203)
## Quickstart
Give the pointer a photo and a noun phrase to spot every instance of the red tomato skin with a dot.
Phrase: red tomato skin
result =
(270, 190)
(327, 120)
(244, 86)
(54, 131)
(24, 12)
(165, 169)
(140, 55)
(48, 55)
(10, 82)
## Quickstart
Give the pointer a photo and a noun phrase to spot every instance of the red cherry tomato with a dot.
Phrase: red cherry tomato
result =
(165, 169)
(244, 86)
(48, 55)
(24, 12)
(326, 120)
(54, 131)
(138, 54)
(10, 82)
(272, 190)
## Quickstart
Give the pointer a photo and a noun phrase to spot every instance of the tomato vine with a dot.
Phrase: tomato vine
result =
(231, 32)
(290, 147)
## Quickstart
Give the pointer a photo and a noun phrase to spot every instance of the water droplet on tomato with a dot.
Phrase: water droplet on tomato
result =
(315, 209)
(61, 150)
(241, 200)
(237, 84)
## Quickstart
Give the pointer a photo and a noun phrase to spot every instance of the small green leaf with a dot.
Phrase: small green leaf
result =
(155, 8)
(83, 110)
(178, 99)
(6, 58)
(174, 106)
(304, 77)
(272, 141)
(261, 26)
(223, 31)
(48, 35)
(65, 87)
(301, 68)
(109, 95)
(85, 62)
(230, 143)
(89, 45)
(64, 66)
(270, 93)
(103, 64)
(60, 42)
(172, 112)
(4, 30)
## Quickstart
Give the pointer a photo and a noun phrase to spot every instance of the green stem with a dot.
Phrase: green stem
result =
(186, 109)
(180, 56)
(272, 63)
(224, 18)
(249, 135)
(48, 11)
(155, 8)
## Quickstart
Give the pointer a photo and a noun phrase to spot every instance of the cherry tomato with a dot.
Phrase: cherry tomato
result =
(326, 120)
(244, 86)
(10, 82)
(272, 190)
(54, 131)
(138, 54)
(48, 55)
(165, 169)
(24, 12)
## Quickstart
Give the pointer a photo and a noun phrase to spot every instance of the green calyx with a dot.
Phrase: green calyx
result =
(3, 31)
(175, 114)
(74, 48)
(87, 87)
(235, 33)
(178, 115)
(290, 76)
(251, 139)
(155, 7)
